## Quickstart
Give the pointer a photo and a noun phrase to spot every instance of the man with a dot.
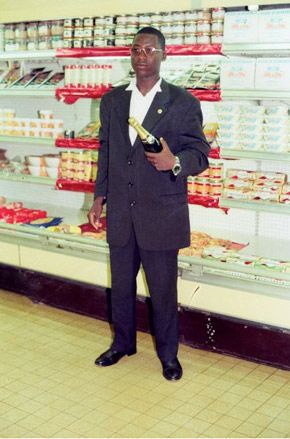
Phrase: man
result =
(146, 196)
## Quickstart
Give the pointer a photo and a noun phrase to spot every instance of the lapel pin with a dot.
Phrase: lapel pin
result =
(159, 111)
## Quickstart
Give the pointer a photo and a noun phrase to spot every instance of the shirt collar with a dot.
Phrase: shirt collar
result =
(133, 87)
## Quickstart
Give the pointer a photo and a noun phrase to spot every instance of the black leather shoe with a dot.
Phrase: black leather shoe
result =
(172, 370)
(111, 357)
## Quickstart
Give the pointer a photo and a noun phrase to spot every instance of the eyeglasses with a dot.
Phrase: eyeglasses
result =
(148, 51)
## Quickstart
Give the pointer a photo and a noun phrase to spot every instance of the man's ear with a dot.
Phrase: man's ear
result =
(164, 56)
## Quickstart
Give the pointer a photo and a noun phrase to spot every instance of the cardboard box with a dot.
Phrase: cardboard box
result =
(274, 26)
(272, 74)
(238, 73)
(241, 27)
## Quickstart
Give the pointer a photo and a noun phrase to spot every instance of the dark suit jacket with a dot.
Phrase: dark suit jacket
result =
(138, 195)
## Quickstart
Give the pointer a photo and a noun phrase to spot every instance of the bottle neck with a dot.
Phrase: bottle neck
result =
(141, 131)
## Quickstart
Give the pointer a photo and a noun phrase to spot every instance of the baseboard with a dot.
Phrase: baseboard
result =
(218, 333)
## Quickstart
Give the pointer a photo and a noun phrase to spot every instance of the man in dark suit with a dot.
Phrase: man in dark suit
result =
(146, 196)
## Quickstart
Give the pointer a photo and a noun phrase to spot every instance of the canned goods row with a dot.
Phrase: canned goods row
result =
(131, 29)
(31, 123)
(144, 19)
(204, 38)
(79, 165)
(199, 26)
(33, 29)
(215, 170)
(194, 38)
(53, 133)
(89, 21)
(206, 24)
(168, 17)
(41, 43)
(87, 32)
(126, 40)
(82, 156)
(88, 173)
(88, 76)
(99, 41)
(204, 187)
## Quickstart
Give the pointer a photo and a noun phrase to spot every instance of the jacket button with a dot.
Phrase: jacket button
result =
(130, 162)
(130, 184)
(133, 203)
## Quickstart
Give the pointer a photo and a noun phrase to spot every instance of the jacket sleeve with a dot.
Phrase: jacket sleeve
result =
(193, 146)
(101, 185)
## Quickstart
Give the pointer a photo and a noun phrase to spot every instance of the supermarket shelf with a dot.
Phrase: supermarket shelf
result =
(31, 140)
(283, 95)
(193, 49)
(258, 206)
(70, 215)
(255, 155)
(39, 237)
(22, 54)
(198, 268)
(231, 270)
(205, 95)
(75, 186)
(26, 92)
(106, 52)
(205, 201)
(29, 179)
(124, 51)
(71, 95)
(93, 52)
(273, 49)
(77, 143)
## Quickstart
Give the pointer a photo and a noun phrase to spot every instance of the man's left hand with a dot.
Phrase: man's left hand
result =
(164, 160)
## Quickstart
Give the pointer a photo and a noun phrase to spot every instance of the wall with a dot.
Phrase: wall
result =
(233, 3)
(18, 10)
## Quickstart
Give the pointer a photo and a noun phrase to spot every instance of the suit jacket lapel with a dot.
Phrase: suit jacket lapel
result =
(123, 110)
(158, 108)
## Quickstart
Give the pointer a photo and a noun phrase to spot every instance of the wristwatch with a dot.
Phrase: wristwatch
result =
(176, 167)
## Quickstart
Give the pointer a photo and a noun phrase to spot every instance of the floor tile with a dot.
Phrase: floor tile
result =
(50, 387)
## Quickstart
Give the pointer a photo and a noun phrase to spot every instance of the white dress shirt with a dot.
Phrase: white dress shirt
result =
(139, 104)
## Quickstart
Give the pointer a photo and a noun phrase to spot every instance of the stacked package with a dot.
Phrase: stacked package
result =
(256, 186)
(253, 127)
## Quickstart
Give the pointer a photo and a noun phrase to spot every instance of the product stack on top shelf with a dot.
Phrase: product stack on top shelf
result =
(203, 26)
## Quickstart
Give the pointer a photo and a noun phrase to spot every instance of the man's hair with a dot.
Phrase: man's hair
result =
(152, 31)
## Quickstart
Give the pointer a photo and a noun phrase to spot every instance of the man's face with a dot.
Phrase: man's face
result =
(146, 65)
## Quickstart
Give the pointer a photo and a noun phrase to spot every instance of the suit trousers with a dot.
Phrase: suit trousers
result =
(160, 268)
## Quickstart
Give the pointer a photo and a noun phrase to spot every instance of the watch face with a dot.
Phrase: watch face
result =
(177, 166)
(176, 169)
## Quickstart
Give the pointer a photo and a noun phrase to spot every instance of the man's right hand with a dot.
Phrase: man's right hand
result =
(95, 212)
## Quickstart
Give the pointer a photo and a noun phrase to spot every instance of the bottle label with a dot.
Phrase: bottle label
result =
(150, 139)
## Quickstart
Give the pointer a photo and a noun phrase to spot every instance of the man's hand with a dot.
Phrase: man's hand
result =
(164, 160)
(95, 212)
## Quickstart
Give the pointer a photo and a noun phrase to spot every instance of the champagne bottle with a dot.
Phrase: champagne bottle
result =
(150, 143)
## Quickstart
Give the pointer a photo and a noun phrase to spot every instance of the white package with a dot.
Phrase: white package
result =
(238, 73)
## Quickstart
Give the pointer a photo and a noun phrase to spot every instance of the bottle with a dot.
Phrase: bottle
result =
(150, 143)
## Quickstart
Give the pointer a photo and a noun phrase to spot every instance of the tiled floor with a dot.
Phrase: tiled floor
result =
(50, 387)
